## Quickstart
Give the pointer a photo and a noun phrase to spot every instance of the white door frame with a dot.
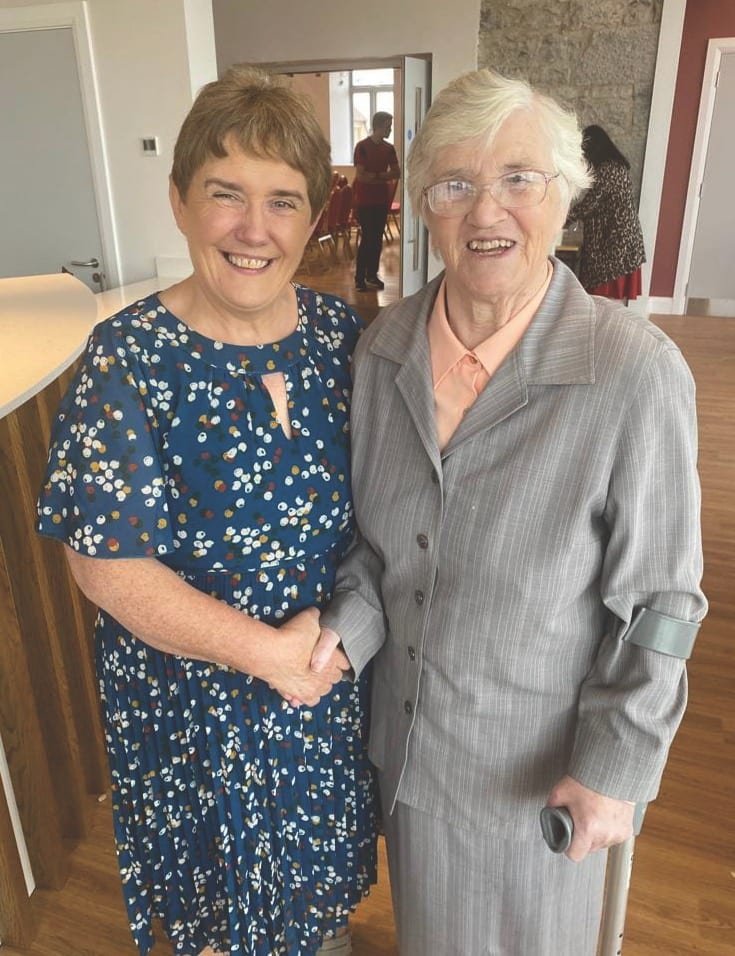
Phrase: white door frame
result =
(365, 63)
(414, 237)
(716, 48)
(657, 140)
(73, 15)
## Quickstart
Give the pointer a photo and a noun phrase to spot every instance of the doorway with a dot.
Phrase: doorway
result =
(57, 214)
(411, 97)
(705, 283)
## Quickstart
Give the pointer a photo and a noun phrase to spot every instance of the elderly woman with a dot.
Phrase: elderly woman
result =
(529, 563)
(199, 476)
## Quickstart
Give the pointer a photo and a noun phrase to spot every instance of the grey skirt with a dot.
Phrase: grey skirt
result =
(459, 892)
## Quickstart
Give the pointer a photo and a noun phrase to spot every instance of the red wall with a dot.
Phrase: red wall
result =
(703, 19)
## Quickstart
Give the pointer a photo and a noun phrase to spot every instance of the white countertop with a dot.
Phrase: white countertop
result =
(44, 324)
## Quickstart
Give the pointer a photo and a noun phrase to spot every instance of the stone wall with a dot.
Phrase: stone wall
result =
(595, 56)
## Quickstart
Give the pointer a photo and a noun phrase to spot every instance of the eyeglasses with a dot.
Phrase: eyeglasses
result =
(522, 187)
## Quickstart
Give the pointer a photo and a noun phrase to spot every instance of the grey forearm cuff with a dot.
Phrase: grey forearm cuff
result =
(659, 632)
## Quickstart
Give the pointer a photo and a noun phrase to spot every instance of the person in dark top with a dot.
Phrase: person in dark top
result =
(376, 171)
(612, 250)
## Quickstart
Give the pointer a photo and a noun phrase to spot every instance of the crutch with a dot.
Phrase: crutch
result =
(557, 827)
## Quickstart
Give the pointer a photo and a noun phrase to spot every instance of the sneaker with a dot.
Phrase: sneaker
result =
(360, 285)
(375, 282)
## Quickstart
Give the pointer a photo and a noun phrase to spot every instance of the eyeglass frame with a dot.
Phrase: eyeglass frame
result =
(485, 187)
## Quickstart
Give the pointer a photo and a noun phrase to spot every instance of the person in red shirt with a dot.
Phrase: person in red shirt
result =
(376, 169)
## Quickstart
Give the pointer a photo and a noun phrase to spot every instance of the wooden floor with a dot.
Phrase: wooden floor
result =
(683, 891)
(325, 274)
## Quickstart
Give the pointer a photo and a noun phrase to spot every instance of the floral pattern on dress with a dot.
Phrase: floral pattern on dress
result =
(240, 822)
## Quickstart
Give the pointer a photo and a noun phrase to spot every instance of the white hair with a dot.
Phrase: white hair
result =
(474, 107)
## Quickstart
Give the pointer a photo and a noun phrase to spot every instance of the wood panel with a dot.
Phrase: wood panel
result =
(31, 582)
(49, 712)
(27, 758)
(15, 907)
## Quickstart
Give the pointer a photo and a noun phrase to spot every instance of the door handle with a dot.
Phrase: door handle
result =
(92, 263)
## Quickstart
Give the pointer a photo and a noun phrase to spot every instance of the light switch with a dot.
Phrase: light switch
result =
(150, 146)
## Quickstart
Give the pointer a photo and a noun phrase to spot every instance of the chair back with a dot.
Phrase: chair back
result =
(345, 206)
(333, 212)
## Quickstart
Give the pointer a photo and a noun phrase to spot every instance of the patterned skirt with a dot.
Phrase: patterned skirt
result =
(241, 823)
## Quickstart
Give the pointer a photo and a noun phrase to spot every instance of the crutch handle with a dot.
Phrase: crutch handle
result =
(557, 827)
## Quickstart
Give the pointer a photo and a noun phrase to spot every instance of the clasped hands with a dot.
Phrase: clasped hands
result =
(308, 662)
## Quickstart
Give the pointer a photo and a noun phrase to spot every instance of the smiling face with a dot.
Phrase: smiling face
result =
(247, 221)
(495, 258)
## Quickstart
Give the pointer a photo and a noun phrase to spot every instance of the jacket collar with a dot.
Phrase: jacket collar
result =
(557, 348)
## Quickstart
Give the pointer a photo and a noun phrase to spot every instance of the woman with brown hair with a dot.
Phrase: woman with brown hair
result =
(199, 478)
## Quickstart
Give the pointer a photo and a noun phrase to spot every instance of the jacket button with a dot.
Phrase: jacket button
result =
(412, 653)
(408, 707)
(422, 541)
(419, 597)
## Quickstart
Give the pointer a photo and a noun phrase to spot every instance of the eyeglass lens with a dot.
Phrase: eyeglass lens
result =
(523, 188)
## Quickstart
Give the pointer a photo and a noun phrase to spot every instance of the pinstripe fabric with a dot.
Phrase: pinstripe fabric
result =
(496, 580)
(457, 892)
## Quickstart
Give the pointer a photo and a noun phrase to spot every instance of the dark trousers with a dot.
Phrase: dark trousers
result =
(372, 223)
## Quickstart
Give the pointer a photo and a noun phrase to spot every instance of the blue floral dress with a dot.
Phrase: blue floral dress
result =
(240, 822)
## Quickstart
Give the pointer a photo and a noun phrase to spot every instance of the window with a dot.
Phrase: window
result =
(372, 92)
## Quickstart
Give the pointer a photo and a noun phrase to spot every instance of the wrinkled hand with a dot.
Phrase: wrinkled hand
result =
(325, 649)
(599, 821)
(292, 674)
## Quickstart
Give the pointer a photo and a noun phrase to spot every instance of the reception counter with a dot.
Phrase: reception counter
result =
(44, 323)
(52, 761)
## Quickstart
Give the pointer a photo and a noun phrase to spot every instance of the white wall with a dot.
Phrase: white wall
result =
(287, 30)
(142, 55)
(340, 118)
(151, 56)
(148, 56)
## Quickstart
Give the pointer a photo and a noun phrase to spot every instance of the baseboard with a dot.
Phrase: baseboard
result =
(659, 305)
(724, 308)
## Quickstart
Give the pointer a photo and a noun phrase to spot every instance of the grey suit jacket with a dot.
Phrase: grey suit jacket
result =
(494, 582)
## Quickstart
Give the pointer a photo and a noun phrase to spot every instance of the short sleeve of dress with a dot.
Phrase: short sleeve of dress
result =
(104, 492)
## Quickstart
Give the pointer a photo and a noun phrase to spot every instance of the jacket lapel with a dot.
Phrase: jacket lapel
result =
(556, 349)
(402, 339)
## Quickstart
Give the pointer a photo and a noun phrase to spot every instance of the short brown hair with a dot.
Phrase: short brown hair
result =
(265, 118)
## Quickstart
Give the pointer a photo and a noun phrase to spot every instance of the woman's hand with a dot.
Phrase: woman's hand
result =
(599, 821)
(292, 673)
(329, 642)
(163, 610)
